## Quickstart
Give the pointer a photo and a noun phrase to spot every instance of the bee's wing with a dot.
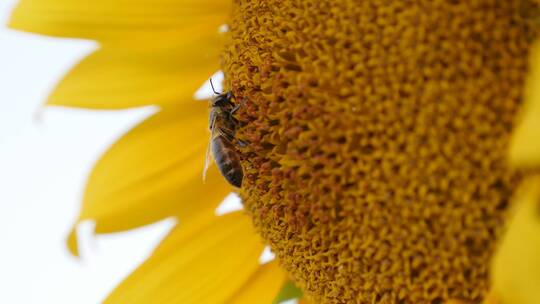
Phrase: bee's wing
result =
(208, 159)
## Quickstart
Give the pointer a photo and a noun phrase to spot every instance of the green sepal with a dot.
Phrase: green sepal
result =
(288, 291)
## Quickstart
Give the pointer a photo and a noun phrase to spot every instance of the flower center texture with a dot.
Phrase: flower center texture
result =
(377, 136)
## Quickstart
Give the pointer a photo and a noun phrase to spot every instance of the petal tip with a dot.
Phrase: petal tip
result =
(72, 242)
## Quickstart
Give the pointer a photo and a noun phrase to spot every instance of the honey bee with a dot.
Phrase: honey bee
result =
(222, 145)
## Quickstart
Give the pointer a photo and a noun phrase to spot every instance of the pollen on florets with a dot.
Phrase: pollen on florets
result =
(377, 135)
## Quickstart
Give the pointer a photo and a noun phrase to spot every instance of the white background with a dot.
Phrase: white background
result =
(45, 156)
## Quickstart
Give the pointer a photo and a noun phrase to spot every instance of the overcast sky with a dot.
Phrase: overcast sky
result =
(45, 157)
(43, 165)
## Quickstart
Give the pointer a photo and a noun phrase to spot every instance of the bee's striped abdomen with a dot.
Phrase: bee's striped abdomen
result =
(227, 160)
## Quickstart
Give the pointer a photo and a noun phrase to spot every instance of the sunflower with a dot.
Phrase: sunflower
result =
(377, 142)
(158, 53)
(516, 266)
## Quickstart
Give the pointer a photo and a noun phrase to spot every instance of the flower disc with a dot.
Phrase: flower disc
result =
(377, 136)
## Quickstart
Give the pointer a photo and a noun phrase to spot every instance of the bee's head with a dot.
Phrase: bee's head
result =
(222, 100)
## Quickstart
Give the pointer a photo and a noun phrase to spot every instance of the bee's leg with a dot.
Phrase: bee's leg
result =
(234, 121)
(238, 106)
(226, 134)
(230, 138)
(234, 109)
(212, 120)
(241, 143)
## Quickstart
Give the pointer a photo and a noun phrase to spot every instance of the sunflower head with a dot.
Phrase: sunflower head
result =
(377, 135)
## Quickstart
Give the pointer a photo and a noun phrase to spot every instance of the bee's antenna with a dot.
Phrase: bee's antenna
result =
(212, 85)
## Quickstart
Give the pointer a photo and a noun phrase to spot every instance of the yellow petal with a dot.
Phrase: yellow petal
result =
(117, 77)
(303, 300)
(516, 265)
(205, 260)
(525, 144)
(491, 298)
(112, 19)
(262, 287)
(153, 172)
